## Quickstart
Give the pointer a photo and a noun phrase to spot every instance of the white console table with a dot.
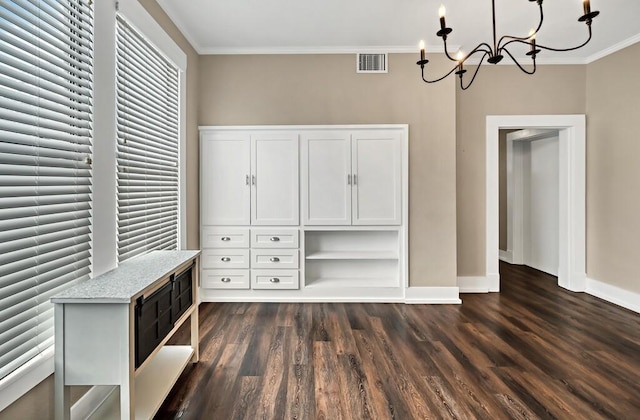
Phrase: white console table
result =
(98, 324)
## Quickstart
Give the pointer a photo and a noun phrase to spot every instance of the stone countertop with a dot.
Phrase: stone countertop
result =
(127, 280)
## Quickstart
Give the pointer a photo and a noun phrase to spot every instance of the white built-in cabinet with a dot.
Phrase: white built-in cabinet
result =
(249, 178)
(350, 185)
(352, 178)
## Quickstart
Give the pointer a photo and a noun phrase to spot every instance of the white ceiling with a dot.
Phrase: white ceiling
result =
(327, 26)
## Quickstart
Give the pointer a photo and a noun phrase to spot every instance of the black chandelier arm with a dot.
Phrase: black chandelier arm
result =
(475, 50)
(568, 49)
(475, 73)
(518, 64)
(526, 38)
(479, 48)
(437, 80)
(446, 51)
(457, 66)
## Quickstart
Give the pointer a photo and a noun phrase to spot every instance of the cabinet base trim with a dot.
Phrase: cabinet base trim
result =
(432, 295)
(91, 401)
(411, 295)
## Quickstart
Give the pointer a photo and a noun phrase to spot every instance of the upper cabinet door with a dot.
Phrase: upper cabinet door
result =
(274, 179)
(376, 162)
(326, 178)
(224, 179)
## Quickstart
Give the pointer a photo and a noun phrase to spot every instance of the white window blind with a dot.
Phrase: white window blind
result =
(147, 150)
(46, 68)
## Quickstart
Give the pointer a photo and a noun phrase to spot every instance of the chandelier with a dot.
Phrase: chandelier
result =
(494, 54)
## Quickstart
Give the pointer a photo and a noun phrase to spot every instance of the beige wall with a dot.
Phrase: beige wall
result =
(38, 403)
(613, 169)
(501, 90)
(325, 89)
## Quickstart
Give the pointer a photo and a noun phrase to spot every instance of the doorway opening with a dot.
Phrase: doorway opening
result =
(529, 196)
(571, 198)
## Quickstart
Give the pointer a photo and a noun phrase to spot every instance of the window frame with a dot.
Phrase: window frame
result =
(104, 240)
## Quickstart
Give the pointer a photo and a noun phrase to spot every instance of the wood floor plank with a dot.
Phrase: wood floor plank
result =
(533, 351)
(330, 403)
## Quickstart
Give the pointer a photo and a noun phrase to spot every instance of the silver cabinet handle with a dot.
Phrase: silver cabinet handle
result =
(253, 180)
(225, 239)
(274, 280)
(225, 259)
(274, 259)
(355, 179)
(348, 179)
(247, 180)
(274, 239)
(225, 279)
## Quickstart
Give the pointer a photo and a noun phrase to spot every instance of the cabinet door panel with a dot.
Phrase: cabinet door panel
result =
(326, 171)
(224, 171)
(274, 192)
(377, 187)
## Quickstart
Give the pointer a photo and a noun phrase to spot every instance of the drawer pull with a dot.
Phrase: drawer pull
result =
(274, 259)
(225, 239)
(274, 239)
(225, 259)
(225, 279)
(274, 280)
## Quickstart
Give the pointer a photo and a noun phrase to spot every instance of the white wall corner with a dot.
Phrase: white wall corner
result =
(469, 284)
(575, 282)
(506, 256)
(432, 295)
(614, 294)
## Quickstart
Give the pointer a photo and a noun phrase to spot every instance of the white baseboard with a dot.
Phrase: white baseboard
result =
(90, 402)
(614, 294)
(506, 256)
(470, 284)
(494, 282)
(432, 295)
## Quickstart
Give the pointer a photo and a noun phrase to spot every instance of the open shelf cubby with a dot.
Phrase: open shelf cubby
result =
(352, 258)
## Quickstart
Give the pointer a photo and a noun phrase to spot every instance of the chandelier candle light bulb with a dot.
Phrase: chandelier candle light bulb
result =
(586, 4)
(532, 39)
(441, 12)
(460, 59)
(422, 53)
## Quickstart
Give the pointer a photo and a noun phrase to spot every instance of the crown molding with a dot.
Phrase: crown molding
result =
(391, 49)
(165, 5)
(614, 48)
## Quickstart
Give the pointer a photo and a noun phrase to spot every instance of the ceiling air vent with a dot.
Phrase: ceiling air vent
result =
(371, 63)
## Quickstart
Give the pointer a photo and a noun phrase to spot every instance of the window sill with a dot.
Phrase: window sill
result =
(23, 379)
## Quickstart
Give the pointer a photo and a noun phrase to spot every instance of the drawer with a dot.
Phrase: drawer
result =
(214, 237)
(274, 238)
(275, 279)
(225, 279)
(274, 258)
(225, 258)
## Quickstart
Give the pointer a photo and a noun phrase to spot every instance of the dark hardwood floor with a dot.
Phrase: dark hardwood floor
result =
(532, 351)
